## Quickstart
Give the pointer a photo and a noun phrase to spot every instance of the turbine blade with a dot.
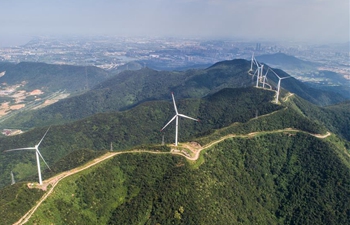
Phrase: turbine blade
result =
(43, 136)
(256, 62)
(168, 122)
(182, 115)
(20, 149)
(43, 158)
(267, 71)
(172, 94)
(275, 74)
(285, 78)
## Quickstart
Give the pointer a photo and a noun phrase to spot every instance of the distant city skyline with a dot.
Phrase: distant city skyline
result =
(318, 21)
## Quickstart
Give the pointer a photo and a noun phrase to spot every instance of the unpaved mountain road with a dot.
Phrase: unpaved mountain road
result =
(195, 148)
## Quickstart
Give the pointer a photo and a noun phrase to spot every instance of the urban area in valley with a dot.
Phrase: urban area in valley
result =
(116, 54)
(170, 53)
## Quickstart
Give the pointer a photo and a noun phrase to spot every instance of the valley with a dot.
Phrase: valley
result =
(17, 100)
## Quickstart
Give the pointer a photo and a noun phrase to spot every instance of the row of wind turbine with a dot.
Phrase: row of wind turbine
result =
(259, 70)
(263, 78)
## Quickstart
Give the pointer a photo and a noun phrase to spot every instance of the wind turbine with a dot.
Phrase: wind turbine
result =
(279, 84)
(176, 118)
(37, 153)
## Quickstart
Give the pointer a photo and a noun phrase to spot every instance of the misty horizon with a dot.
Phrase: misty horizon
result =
(313, 21)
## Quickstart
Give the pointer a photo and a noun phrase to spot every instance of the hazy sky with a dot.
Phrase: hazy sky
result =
(305, 20)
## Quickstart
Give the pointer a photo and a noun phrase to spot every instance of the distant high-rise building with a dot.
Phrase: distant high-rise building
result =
(258, 47)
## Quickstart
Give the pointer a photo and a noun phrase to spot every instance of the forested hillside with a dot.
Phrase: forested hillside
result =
(273, 176)
(137, 126)
(262, 163)
(51, 78)
(336, 117)
(141, 125)
(130, 88)
(268, 179)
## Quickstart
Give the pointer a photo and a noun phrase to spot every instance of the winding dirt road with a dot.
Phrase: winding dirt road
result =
(195, 148)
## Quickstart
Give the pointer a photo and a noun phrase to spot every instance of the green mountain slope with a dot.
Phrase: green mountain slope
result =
(275, 176)
(137, 126)
(131, 88)
(336, 117)
(141, 125)
(269, 179)
(51, 78)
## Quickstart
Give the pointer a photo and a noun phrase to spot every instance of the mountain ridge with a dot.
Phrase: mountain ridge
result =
(38, 219)
(130, 88)
(53, 181)
(270, 160)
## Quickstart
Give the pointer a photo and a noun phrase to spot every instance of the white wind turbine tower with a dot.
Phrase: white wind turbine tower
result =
(251, 63)
(12, 179)
(259, 70)
(37, 153)
(279, 84)
(176, 118)
(265, 77)
(261, 74)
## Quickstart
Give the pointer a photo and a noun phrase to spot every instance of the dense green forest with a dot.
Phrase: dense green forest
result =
(336, 117)
(274, 178)
(16, 200)
(269, 179)
(140, 126)
(281, 175)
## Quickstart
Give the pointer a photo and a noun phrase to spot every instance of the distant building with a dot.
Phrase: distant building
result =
(258, 47)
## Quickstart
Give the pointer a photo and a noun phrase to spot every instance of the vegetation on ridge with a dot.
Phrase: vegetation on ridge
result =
(137, 126)
(272, 178)
(165, 189)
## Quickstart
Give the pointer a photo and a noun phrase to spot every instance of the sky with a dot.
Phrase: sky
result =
(319, 21)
